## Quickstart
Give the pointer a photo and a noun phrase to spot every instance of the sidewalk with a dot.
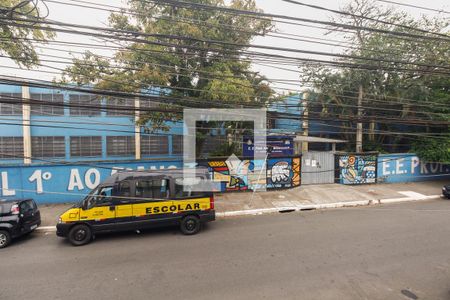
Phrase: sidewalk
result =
(301, 198)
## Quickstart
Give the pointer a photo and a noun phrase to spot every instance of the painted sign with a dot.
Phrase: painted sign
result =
(408, 168)
(357, 169)
(276, 146)
(65, 183)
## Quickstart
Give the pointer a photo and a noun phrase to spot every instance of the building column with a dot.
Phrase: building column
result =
(26, 125)
(137, 128)
(305, 121)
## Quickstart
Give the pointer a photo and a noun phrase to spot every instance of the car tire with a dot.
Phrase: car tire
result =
(190, 225)
(5, 238)
(80, 235)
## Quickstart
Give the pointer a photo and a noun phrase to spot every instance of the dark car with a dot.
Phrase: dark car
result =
(17, 218)
(446, 191)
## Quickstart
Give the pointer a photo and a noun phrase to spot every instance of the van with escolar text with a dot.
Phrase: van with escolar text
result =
(134, 200)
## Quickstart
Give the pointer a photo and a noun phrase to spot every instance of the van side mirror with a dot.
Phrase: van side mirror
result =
(84, 204)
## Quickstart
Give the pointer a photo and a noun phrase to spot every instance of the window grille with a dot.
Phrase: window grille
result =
(11, 108)
(120, 145)
(48, 146)
(85, 146)
(93, 102)
(11, 147)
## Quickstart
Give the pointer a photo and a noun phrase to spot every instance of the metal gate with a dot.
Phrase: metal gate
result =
(317, 167)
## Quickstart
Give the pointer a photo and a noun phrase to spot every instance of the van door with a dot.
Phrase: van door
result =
(152, 203)
(100, 210)
(123, 197)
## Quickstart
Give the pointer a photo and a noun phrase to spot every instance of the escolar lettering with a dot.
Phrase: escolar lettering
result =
(172, 208)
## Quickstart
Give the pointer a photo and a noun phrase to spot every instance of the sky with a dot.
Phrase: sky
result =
(87, 16)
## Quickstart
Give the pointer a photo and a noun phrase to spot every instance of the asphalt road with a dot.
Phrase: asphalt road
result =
(382, 252)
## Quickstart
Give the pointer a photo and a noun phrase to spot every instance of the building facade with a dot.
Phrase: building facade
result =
(39, 133)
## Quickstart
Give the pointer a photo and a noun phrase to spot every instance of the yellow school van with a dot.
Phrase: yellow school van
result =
(136, 200)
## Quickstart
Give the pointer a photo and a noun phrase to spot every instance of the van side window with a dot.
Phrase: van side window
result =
(152, 189)
(184, 189)
(124, 189)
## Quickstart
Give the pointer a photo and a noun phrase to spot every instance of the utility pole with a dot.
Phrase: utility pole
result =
(359, 126)
(305, 121)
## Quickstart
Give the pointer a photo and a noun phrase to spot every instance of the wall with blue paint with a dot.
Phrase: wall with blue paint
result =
(61, 183)
(394, 168)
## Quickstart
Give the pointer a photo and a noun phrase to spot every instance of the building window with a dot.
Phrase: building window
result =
(92, 102)
(48, 146)
(10, 108)
(148, 103)
(45, 110)
(120, 145)
(154, 145)
(11, 147)
(177, 144)
(112, 102)
(87, 146)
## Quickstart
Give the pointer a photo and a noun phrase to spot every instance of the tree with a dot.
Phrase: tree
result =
(173, 53)
(402, 78)
(15, 33)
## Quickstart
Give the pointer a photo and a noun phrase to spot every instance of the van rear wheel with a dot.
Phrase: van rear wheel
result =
(190, 225)
(5, 238)
(80, 235)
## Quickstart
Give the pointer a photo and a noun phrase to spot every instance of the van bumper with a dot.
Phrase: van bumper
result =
(62, 229)
(208, 216)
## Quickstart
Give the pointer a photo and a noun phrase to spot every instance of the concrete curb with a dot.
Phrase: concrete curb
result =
(323, 206)
(264, 211)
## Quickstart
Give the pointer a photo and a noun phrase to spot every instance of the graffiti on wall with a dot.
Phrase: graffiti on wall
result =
(243, 175)
(357, 169)
(283, 173)
(236, 174)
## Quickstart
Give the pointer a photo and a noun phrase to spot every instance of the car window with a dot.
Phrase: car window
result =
(26, 206)
(104, 196)
(124, 189)
(186, 188)
(152, 189)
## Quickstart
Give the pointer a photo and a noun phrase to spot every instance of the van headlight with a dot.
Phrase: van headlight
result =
(60, 221)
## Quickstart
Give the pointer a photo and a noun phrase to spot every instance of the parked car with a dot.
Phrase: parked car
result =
(446, 191)
(137, 200)
(17, 218)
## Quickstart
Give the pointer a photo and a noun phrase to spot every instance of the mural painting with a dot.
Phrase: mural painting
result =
(243, 175)
(232, 173)
(357, 169)
(283, 173)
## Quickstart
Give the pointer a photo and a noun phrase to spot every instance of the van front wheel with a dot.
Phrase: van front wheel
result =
(80, 235)
(190, 225)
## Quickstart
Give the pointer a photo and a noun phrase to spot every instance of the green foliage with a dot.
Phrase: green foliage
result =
(433, 150)
(225, 150)
(173, 52)
(402, 78)
(14, 41)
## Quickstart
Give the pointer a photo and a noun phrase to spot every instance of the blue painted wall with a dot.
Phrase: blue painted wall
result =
(408, 168)
(61, 183)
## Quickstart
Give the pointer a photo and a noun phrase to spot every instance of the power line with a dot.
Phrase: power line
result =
(209, 41)
(268, 16)
(415, 6)
(365, 17)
